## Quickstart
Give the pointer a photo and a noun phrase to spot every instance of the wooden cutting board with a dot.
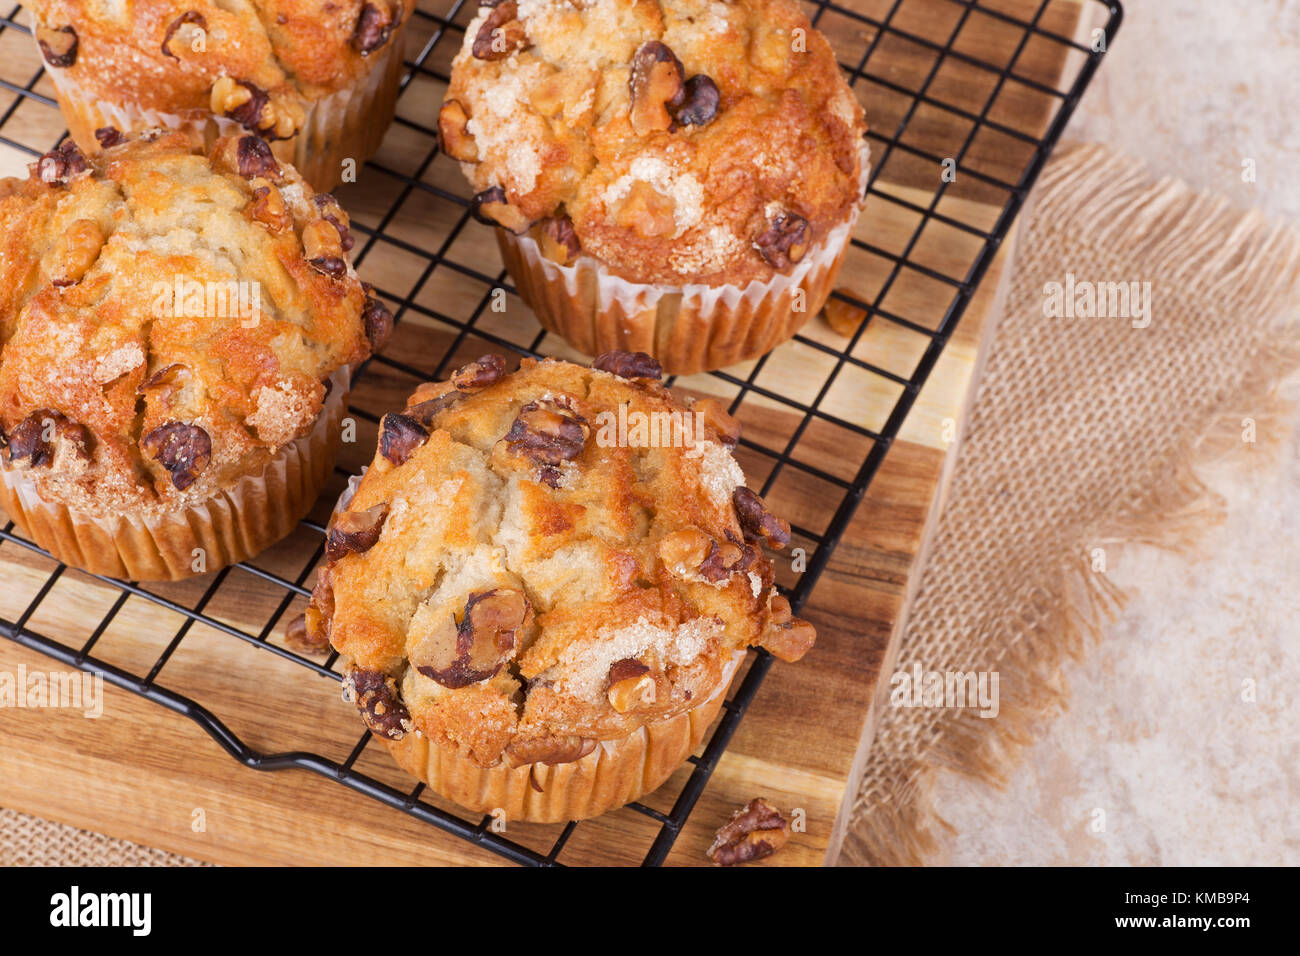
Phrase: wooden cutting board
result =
(143, 773)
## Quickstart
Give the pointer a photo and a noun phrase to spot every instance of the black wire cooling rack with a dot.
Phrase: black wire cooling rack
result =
(990, 127)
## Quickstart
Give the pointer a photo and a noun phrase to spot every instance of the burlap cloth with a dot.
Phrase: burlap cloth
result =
(1085, 433)
(30, 841)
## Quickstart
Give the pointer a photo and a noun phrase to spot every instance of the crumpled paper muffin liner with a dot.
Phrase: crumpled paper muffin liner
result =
(615, 773)
(347, 124)
(690, 328)
(232, 525)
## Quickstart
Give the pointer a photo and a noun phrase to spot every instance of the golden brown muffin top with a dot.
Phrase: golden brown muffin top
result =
(168, 320)
(514, 579)
(674, 140)
(258, 62)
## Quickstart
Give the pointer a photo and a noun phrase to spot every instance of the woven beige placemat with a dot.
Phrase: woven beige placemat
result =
(1085, 434)
(30, 841)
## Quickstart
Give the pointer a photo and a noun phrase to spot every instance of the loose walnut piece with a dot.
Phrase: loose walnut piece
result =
(61, 164)
(73, 253)
(58, 45)
(188, 18)
(501, 34)
(479, 374)
(699, 105)
(629, 365)
(475, 649)
(786, 637)
(453, 133)
(785, 240)
(492, 208)
(374, 26)
(757, 522)
(183, 449)
(559, 240)
(657, 84)
(844, 318)
(46, 436)
(377, 697)
(400, 436)
(755, 831)
(354, 532)
(548, 750)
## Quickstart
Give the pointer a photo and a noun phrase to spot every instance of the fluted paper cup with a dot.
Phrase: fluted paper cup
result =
(689, 328)
(231, 526)
(614, 774)
(347, 124)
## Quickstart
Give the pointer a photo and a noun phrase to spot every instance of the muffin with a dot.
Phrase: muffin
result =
(317, 80)
(176, 337)
(539, 599)
(678, 177)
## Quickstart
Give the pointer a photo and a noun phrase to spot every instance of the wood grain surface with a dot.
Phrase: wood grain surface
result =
(146, 774)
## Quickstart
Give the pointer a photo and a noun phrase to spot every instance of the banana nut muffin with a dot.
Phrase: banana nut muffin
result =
(541, 613)
(318, 80)
(651, 160)
(176, 332)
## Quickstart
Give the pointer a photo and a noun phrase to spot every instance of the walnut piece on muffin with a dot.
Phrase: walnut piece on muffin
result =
(676, 141)
(519, 578)
(169, 320)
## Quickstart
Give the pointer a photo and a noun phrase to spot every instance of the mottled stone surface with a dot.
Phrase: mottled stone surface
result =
(1199, 87)
(1157, 734)
(1160, 733)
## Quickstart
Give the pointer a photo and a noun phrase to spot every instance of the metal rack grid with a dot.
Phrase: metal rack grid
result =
(438, 26)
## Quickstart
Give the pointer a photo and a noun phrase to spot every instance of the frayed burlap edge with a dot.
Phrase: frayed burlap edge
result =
(1224, 253)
